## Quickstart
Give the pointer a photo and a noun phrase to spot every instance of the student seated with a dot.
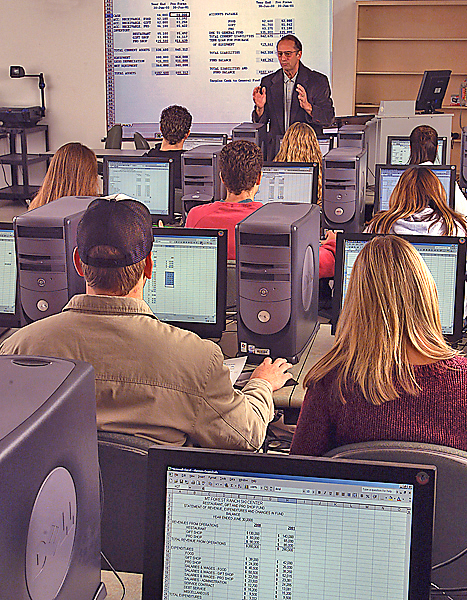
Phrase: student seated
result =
(423, 151)
(300, 144)
(418, 206)
(240, 170)
(390, 375)
(152, 379)
(175, 123)
(72, 172)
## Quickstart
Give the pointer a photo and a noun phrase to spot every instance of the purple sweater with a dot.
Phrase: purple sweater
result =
(437, 415)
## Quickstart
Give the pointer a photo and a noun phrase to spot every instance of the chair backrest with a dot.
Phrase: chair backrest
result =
(141, 143)
(123, 464)
(450, 532)
(114, 138)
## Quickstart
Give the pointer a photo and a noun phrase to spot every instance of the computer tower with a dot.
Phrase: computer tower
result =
(277, 280)
(344, 187)
(252, 132)
(200, 172)
(351, 136)
(463, 160)
(45, 239)
(49, 496)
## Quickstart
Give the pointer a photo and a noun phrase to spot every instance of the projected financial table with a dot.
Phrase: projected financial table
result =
(240, 536)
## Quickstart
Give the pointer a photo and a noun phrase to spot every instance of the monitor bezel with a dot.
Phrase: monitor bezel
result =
(420, 239)
(205, 330)
(160, 458)
(425, 91)
(402, 168)
(391, 138)
(12, 320)
(169, 218)
(194, 134)
(288, 165)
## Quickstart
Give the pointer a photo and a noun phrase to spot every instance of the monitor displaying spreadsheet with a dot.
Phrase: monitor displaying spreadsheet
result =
(188, 287)
(445, 259)
(204, 139)
(238, 525)
(149, 180)
(387, 177)
(8, 280)
(288, 182)
(398, 152)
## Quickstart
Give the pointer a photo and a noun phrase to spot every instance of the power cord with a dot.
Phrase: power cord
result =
(116, 575)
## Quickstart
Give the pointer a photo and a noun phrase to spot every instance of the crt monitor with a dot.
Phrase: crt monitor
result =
(398, 150)
(204, 139)
(387, 176)
(149, 180)
(432, 91)
(288, 182)
(444, 257)
(9, 305)
(188, 285)
(243, 525)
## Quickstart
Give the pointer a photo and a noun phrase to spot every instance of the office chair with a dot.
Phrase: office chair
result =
(114, 138)
(123, 463)
(141, 143)
(450, 531)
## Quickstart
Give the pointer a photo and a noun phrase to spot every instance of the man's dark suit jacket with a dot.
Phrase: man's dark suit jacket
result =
(318, 94)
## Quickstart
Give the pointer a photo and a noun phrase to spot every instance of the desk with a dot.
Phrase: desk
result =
(133, 585)
(101, 152)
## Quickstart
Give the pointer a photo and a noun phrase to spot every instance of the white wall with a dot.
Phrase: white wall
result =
(65, 40)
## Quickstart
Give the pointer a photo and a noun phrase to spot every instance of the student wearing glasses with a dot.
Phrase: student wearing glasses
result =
(292, 94)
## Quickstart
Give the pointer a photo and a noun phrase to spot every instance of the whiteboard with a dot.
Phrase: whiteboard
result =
(207, 55)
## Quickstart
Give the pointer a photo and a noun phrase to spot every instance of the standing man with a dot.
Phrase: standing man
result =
(293, 93)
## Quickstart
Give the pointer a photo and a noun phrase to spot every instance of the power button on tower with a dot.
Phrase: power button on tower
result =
(264, 316)
(42, 305)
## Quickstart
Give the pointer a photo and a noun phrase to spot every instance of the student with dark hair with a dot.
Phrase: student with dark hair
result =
(390, 374)
(424, 150)
(240, 170)
(152, 379)
(175, 123)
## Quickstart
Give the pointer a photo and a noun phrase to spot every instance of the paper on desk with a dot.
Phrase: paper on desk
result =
(236, 367)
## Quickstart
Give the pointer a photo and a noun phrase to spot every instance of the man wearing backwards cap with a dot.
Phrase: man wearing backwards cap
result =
(152, 379)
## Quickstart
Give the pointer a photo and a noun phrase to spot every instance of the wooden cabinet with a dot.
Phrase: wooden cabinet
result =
(398, 40)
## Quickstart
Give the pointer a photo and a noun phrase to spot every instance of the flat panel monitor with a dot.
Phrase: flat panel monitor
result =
(205, 139)
(288, 182)
(432, 91)
(9, 304)
(242, 525)
(387, 176)
(398, 152)
(444, 257)
(325, 143)
(149, 180)
(188, 285)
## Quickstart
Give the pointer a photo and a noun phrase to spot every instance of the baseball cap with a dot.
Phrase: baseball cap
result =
(124, 225)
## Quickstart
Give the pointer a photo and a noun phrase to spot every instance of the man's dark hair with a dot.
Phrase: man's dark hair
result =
(175, 123)
(291, 38)
(240, 166)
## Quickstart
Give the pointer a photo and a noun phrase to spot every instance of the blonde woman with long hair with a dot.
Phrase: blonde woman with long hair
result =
(418, 206)
(300, 144)
(72, 172)
(390, 375)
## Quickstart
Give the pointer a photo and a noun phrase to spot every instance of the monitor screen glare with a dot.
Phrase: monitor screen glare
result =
(389, 177)
(184, 285)
(399, 151)
(7, 272)
(146, 181)
(283, 182)
(440, 258)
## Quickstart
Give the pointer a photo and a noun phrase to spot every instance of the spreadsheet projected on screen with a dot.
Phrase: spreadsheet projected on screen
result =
(445, 259)
(238, 525)
(187, 287)
(288, 182)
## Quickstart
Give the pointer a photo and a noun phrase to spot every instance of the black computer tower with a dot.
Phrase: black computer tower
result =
(277, 280)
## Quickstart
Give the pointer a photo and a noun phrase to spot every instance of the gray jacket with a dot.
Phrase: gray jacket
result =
(152, 379)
